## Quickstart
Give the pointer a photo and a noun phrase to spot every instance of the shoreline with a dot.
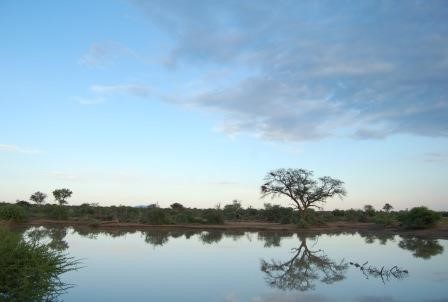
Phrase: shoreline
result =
(438, 232)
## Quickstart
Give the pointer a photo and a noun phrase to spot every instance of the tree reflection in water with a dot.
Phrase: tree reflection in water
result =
(386, 274)
(211, 237)
(157, 238)
(272, 239)
(55, 235)
(382, 238)
(303, 269)
(421, 248)
(301, 272)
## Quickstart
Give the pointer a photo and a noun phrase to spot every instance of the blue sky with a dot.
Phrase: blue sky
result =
(135, 102)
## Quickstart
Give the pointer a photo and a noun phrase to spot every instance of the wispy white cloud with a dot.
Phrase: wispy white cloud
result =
(17, 149)
(89, 101)
(100, 93)
(101, 54)
(436, 157)
(139, 90)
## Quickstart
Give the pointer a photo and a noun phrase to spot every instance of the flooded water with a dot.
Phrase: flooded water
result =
(249, 266)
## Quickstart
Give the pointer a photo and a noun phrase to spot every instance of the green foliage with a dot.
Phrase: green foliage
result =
(178, 214)
(94, 223)
(86, 209)
(177, 206)
(419, 218)
(187, 217)
(301, 187)
(369, 210)
(385, 219)
(23, 203)
(13, 212)
(30, 271)
(38, 197)
(353, 215)
(387, 207)
(213, 216)
(61, 195)
(233, 211)
(312, 218)
(338, 213)
(58, 212)
(276, 213)
(155, 216)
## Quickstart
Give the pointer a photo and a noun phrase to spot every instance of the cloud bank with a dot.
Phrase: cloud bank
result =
(366, 69)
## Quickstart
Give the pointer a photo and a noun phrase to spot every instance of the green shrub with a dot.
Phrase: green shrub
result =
(58, 212)
(233, 211)
(155, 216)
(312, 218)
(384, 218)
(353, 215)
(338, 213)
(94, 223)
(13, 212)
(419, 218)
(29, 271)
(187, 217)
(276, 213)
(286, 219)
(213, 216)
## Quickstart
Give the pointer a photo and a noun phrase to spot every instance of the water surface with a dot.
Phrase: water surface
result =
(249, 266)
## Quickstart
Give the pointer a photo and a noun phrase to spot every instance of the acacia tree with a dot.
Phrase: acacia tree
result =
(387, 207)
(61, 195)
(369, 209)
(38, 197)
(300, 186)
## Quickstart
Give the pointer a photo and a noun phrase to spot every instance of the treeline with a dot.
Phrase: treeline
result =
(94, 215)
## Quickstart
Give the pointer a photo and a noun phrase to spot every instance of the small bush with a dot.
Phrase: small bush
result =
(155, 216)
(286, 219)
(338, 213)
(310, 218)
(187, 217)
(59, 212)
(213, 216)
(177, 206)
(13, 212)
(419, 218)
(276, 213)
(93, 223)
(384, 218)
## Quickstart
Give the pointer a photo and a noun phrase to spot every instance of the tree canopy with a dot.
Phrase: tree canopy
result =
(300, 186)
(38, 197)
(61, 195)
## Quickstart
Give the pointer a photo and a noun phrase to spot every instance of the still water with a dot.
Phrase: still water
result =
(249, 266)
